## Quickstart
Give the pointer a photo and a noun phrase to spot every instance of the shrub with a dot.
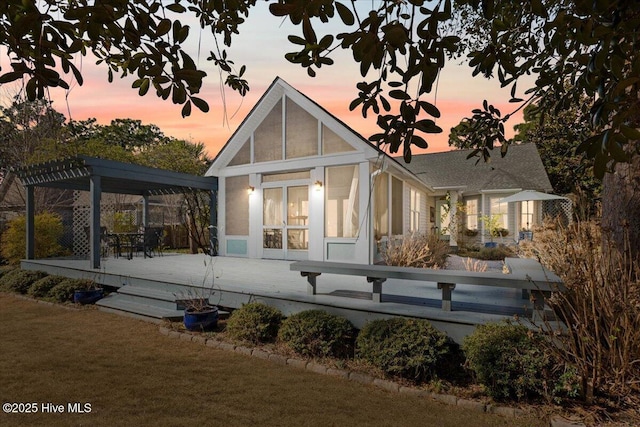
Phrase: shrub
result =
(409, 348)
(499, 253)
(416, 250)
(602, 305)
(254, 322)
(63, 291)
(40, 288)
(20, 280)
(507, 359)
(48, 231)
(317, 333)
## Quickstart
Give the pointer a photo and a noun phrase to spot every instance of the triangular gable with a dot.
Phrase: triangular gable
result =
(301, 112)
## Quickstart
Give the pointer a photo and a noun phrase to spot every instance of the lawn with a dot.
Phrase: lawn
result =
(132, 375)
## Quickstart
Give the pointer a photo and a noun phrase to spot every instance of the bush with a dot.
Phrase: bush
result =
(20, 280)
(508, 360)
(254, 322)
(416, 250)
(40, 288)
(63, 291)
(602, 305)
(317, 333)
(409, 348)
(48, 231)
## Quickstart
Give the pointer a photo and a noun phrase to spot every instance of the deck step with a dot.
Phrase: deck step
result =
(121, 303)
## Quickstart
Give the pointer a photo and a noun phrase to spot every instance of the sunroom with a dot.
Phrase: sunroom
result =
(297, 183)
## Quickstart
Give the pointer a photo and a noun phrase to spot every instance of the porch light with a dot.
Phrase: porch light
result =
(318, 185)
(250, 189)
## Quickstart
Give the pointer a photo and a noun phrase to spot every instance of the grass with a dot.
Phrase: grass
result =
(132, 375)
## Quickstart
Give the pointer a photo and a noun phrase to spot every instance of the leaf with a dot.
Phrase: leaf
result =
(419, 142)
(200, 103)
(177, 8)
(399, 94)
(186, 109)
(430, 109)
(10, 77)
(163, 27)
(345, 14)
(630, 133)
(297, 40)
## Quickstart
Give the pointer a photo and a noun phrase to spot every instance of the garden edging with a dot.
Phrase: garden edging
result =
(359, 377)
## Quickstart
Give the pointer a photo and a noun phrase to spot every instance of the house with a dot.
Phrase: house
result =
(295, 183)
(477, 188)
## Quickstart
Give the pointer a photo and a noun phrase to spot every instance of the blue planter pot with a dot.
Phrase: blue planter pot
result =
(490, 244)
(205, 320)
(87, 296)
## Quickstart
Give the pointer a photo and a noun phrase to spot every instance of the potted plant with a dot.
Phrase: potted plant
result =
(87, 292)
(470, 232)
(491, 224)
(200, 315)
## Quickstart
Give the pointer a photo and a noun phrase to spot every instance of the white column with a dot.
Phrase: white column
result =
(453, 223)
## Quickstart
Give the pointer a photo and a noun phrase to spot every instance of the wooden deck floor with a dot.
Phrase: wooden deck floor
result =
(239, 280)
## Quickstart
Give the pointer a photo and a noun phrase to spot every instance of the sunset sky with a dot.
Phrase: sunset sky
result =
(261, 46)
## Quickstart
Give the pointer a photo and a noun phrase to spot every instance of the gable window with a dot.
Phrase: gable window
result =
(471, 208)
(414, 210)
(332, 143)
(301, 132)
(243, 156)
(267, 138)
(341, 201)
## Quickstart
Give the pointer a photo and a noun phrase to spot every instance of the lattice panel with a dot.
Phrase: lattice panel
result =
(561, 208)
(81, 220)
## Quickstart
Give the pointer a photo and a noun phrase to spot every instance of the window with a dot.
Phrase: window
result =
(243, 156)
(267, 138)
(332, 143)
(237, 205)
(500, 210)
(342, 201)
(301, 132)
(526, 214)
(397, 204)
(471, 208)
(414, 210)
(381, 205)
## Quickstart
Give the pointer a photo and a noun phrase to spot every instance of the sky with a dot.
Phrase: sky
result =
(261, 46)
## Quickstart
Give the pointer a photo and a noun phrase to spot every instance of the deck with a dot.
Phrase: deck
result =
(237, 281)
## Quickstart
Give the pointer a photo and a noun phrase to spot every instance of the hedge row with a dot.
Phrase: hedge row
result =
(38, 284)
(504, 357)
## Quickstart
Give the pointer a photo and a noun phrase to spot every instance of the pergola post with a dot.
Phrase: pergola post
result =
(95, 190)
(145, 209)
(30, 223)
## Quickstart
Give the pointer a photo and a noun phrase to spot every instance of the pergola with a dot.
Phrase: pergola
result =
(107, 176)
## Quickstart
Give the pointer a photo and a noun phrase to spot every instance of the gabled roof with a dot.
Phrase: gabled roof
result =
(264, 105)
(521, 168)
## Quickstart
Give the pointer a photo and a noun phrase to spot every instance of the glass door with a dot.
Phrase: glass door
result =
(286, 222)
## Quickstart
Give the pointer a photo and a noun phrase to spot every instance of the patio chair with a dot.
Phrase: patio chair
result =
(152, 241)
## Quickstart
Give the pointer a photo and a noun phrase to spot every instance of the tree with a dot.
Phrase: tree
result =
(577, 48)
(557, 137)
